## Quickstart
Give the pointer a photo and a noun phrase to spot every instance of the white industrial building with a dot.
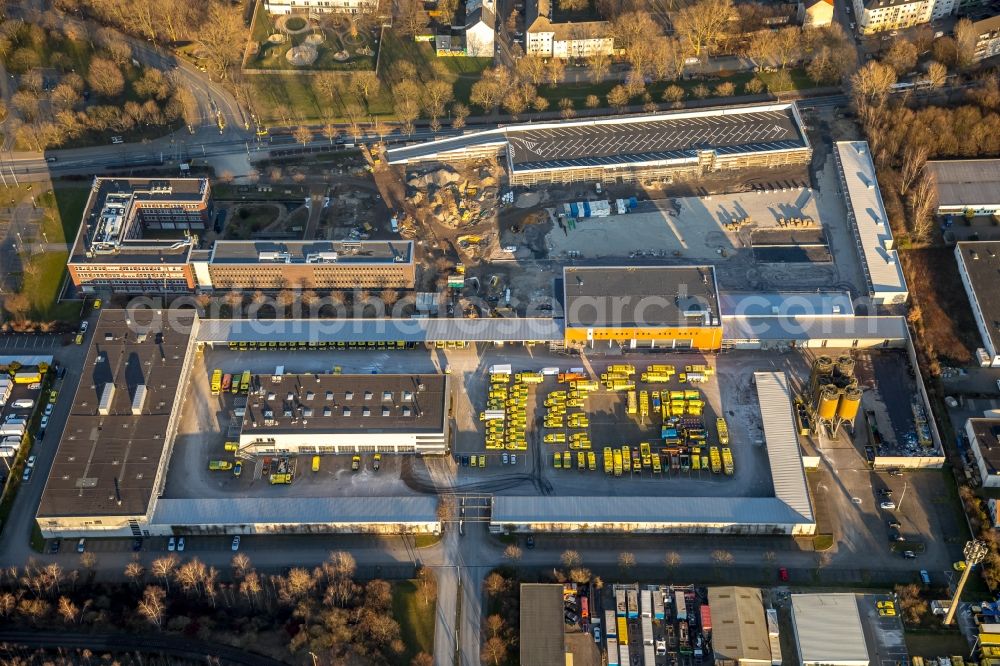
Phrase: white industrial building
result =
(828, 630)
(788, 512)
(870, 224)
(979, 268)
(338, 414)
(739, 626)
(984, 441)
(966, 187)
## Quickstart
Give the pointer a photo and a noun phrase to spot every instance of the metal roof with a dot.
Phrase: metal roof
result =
(739, 627)
(665, 511)
(785, 303)
(659, 138)
(870, 224)
(380, 330)
(828, 629)
(972, 183)
(245, 511)
(814, 328)
(787, 473)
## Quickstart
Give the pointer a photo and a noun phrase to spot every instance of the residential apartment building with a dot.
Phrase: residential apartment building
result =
(547, 39)
(321, 6)
(988, 40)
(815, 13)
(480, 28)
(881, 15)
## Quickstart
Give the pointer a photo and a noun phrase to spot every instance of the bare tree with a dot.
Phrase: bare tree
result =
(722, 557)
(134, 571)
(573, 5)
(902, 56)
(966, 37)
(702, 24)
(426, 585)
(871, 84)
(153, 605)
(495, 584)
(494, 651)
(513, 553)
(241, 565)
(105, 78)
(459, 112)
(937, 74)
(923, 203)
(914, 158)
(570, 558)
(302, 134)
(222, 35)
(626, 560)
(672, 559)
(592, 101)
(618, 97)
(68, 611)
(598, 65)
(163, 567)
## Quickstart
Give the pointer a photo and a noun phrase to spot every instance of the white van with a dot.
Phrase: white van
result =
(23, 403)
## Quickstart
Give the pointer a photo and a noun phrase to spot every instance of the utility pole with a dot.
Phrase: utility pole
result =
(975, 552)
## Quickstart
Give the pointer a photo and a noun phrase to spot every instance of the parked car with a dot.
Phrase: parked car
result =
(505, 458)
(513, 459)
(83, 326)
(530, 543)
(909, 555)
(44, 423)
(236, 543)
(136, 545)
(81, 545)
(597, 634)
(172, 544)
(31, 461)
(894, 535)
(54, 394)
(48, 409)
(465, 461)
(783, 574)
(55, 545)
(925, 577)
(355, 464)
(180, 545)
(888, 505)
(893, 523)
(26, 475)
(377, 461)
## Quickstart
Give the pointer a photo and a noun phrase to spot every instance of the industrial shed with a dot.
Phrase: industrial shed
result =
(739, 627)
(631, 148)
(541, 630)
(828, 630)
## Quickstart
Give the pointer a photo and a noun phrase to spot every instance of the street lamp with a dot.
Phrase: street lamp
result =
(975, 552)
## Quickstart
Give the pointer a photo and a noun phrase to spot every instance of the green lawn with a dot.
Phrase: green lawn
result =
(416, 621)
(287, 99)
(63, 208)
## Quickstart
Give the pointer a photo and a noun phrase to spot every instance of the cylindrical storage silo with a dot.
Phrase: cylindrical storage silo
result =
(822, 366)
(845, 366)
(828, 399)
(850, 402)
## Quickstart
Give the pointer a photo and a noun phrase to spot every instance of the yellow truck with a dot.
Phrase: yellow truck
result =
(723, 429)
(643, 404)
(632, 406)
(232, 446)
(216, 381)
(591, 461)
(715, 459)
(645, 454)
(277, 479)
(727, 461)
(219, 465)
(626, 459)
(618, 462)
(657, 465)
(315, 463)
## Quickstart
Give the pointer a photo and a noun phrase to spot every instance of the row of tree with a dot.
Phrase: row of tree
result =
(324, 610)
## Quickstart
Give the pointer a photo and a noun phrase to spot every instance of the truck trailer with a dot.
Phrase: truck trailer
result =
(633, 602)
(646, 598)
(681, 610)
(620, 602)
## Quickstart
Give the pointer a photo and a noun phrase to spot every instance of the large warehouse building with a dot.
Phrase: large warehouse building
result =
(828, 630)
(979, 268)
(788, 512)
(673, 307)
(631, 148)
(337, 414)
(870, 224)
(966, 187)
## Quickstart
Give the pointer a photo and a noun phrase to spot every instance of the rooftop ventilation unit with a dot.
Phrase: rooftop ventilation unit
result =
(139, 399)
(107, 396)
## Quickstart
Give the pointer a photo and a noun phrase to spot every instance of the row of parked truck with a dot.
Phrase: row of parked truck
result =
(657, 621)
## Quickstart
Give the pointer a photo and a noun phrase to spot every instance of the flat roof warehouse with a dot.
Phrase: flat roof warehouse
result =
(645, 296)
(347, 403)
(660, 138)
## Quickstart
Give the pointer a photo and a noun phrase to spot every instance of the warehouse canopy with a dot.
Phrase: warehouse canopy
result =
(236, 511)
(518, 329)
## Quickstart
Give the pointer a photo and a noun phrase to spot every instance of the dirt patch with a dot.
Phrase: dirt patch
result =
(949, 329)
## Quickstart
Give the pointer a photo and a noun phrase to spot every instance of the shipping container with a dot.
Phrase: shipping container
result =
(658, 613)
(613, 652)
(503, 369)
(610, 625)
(623, 653)
(648, 655)
(706, 618)
(646, 597)
(623, 630)
(632, 596)
(620, 602)
(681, 606)
(27, 377)
(647, 631)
